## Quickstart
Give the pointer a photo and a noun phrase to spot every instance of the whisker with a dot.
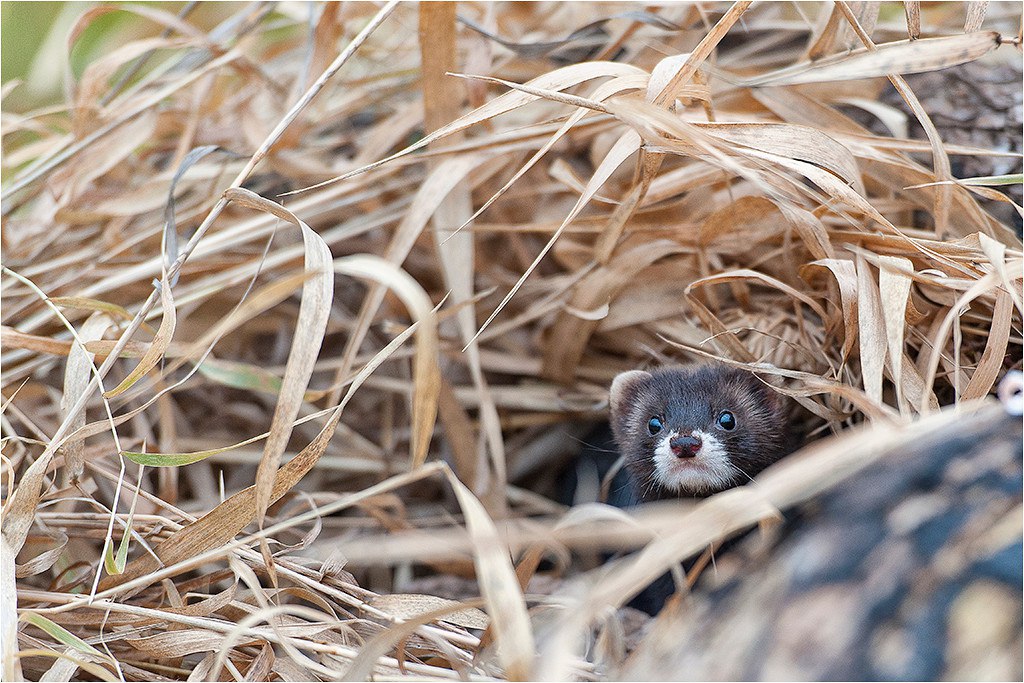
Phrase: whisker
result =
(592, 446)
(649, 484)
(741, 471)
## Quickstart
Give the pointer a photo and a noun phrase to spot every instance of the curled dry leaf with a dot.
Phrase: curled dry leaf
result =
(315, 306)
(426, 374)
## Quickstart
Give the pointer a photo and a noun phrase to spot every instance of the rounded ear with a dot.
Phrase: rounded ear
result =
(625, 388)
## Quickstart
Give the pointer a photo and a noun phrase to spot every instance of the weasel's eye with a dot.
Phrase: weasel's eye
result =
(727, 421)
(654, 425)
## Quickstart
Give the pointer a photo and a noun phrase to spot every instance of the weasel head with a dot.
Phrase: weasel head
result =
(696, 431)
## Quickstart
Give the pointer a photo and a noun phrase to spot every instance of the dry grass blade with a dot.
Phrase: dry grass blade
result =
(426, 374)
(66, 664)
(614, 87)
(701, 52)
(894, 281)
(555, 81)
(575, 325)
(314, 309)
(226, 520)
(902, 57)
(499, 586)
(19, 510)
(76, 378)
(157, 348)
(38, 170)
(9, 610)
(458, 260)
(40, 563)
(794, 142)
(872, 330)
(912, 8)
(170, 240)
(415, 611)
(429, 197)
(996, 254)
(943, 197)
(951, 319)
(985, 375)
(623, 149)
(975, 15)
(86, 304)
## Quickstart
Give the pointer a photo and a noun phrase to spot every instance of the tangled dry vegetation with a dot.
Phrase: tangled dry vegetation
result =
(294, 317)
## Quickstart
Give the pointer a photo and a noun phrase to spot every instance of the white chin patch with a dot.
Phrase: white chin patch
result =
(709, 470)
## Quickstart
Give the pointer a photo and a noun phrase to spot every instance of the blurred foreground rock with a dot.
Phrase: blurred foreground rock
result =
(910, 570)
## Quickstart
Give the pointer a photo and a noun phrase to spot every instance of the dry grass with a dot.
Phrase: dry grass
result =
(214, 424)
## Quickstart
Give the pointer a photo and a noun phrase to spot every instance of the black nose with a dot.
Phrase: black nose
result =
(685, 446)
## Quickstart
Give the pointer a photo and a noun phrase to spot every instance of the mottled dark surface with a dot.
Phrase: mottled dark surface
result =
(977, 104)
(909, 570)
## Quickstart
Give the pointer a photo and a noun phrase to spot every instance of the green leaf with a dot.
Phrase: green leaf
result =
(250, 377)
(114, 564)
(995, 180)
(179, 459)
(240, 376)
(109, 563)
(978, 181)
(62, 634)
(173, 459)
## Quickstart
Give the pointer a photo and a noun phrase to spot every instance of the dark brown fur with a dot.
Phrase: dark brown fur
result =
(688, 398)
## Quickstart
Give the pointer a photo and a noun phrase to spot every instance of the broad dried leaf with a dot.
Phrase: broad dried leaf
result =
(426, 373)
(901, 57)
(498, 585)
(155, 353)
(871, 324)
(43, 561)
(314, 309)
(184, 642)
(984, 377)
(410, 606)
(77, 373)
(894, 279)
(845, 274)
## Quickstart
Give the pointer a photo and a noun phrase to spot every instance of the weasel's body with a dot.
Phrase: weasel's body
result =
(692, 432)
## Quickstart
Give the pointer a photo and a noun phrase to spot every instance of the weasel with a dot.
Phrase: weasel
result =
(695, 431)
